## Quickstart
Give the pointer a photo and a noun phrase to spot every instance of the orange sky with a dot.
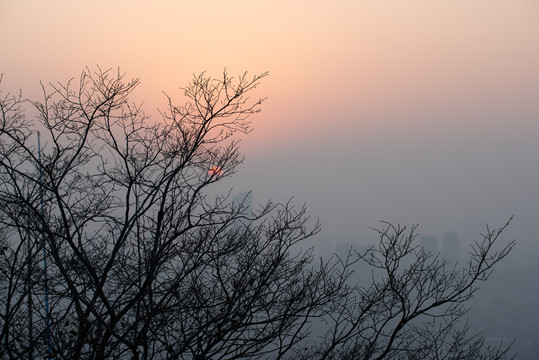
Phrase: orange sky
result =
(361, 93)
(332, 64)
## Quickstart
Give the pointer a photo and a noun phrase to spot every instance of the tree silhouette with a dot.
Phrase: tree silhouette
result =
(142, 263)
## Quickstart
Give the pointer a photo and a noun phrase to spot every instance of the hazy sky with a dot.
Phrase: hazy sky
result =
(409, 111)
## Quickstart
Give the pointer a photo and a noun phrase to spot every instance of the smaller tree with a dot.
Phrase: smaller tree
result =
(414, 306)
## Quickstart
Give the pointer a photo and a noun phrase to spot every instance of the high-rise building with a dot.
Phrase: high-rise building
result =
(245, 200)
(324, 246)
(244, 203)
(429, 244)
(451, 245)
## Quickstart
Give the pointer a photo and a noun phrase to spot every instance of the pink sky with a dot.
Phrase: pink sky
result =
(332, 64)
(416, 111)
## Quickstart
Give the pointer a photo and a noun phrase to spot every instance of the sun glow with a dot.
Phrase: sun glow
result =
(215, 171)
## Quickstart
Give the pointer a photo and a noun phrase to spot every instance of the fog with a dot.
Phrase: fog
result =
(444, 195)
(409, 113)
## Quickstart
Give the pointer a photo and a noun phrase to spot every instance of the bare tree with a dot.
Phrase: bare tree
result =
(112, 247)
(413, 306)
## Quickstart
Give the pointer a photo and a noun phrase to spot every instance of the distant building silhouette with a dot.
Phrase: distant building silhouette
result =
(342, 249)
(362, 274)
(324, 246)
(245, 198)
(451, 245)
(244, 202)
(429, 244)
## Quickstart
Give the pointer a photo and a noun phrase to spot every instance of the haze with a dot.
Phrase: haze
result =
(415, 112)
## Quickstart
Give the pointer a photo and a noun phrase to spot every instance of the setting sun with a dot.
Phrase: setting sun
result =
(215, 171)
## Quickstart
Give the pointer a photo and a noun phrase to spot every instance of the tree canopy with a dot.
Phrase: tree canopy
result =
(113, 248)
